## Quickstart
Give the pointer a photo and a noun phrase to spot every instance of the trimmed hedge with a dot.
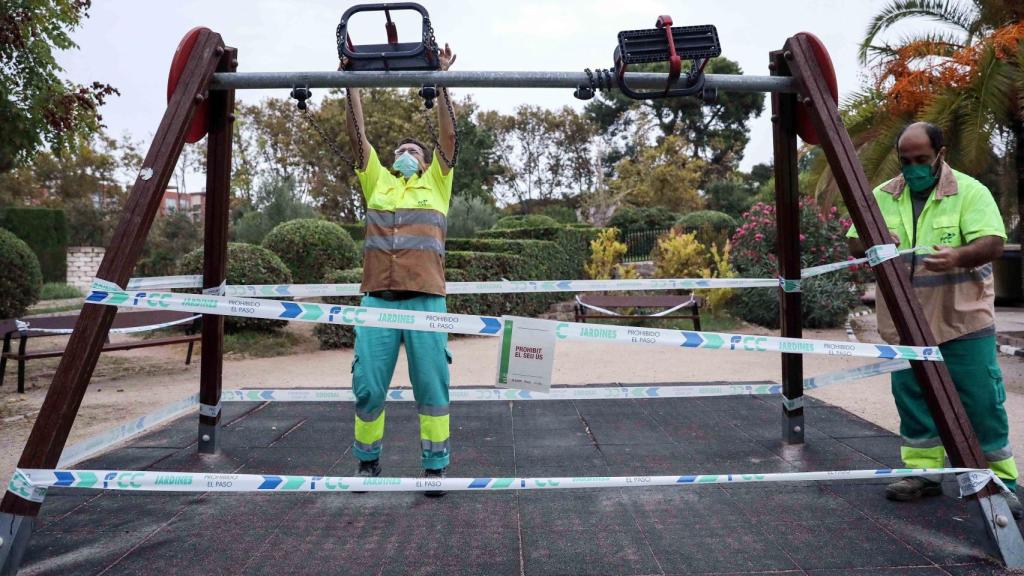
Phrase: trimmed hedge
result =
(311, 248)
(356, 230)
(45, 230)
(525, 221)
(334, 336)
(574, 241)
(247, 264)
(21, 279)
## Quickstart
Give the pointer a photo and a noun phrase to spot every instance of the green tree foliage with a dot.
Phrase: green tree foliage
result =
(274, 201)
(662, 175)
(716, 133)
(85, 180)
(272, 144)
(544, 154)
(466, 216)
(171, 237)
(37, 106)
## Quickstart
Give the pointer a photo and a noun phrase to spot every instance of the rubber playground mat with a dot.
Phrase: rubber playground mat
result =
(824, 528)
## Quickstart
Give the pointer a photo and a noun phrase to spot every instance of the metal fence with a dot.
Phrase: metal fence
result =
(640, 243)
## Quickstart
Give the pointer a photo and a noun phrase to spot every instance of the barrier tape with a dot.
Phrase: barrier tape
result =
(29, 483)
(881, 252)
(665, 312)
(104, 293)
(27, 327)
(499, 287)
(568, 393)
(96, 444)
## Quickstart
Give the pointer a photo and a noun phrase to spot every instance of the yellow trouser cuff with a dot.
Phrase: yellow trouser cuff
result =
(434, 428)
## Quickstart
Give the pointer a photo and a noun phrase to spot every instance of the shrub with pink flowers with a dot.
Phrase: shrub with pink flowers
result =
(826, 299)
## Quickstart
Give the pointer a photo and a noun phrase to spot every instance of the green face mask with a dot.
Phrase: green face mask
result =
(919, 177)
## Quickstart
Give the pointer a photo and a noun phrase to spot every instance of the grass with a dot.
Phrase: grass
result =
(59, 291)
(74, 306)
(252, 344)
(709, 322)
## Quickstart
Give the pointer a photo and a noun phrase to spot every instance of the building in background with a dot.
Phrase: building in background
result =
(192, 203)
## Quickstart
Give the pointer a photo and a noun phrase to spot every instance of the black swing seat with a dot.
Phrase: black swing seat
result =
(393, 55)
(672, 44)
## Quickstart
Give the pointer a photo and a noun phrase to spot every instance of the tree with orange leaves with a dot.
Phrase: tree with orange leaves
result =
(965, 75)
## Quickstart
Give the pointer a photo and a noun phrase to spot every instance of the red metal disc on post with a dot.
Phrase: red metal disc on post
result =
(804, 126)
(198, 128)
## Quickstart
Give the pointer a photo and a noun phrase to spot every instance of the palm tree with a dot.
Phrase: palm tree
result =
(966, 75)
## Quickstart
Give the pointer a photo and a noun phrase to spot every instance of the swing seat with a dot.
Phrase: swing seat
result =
(665, 43)
(393, 55)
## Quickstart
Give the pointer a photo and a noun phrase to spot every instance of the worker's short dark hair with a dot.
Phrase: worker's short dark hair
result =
(428, 155)
(934, 135)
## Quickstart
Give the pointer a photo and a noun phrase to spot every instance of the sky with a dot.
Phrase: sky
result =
(129, 43)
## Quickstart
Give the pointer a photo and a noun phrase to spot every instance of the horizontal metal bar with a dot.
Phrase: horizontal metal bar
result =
(473, 79)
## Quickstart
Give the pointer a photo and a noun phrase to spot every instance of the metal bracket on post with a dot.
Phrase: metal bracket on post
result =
(1003, 529)
(15, 532)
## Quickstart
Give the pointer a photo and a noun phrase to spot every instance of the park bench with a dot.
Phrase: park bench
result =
(685, 306)
(38, 326)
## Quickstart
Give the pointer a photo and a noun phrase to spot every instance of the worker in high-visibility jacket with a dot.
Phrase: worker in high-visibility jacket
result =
(403, 269)
(954, 216)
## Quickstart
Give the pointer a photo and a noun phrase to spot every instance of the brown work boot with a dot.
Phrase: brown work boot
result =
(912, 488)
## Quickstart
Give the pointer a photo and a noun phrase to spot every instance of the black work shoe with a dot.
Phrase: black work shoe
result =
(1014, 503)
(367, 469)
(435, 475)
(912, 488)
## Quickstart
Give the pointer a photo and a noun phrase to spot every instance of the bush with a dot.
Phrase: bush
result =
(827, 299)
(247, 264)
(467, 216)
(679, 255)
(59, 291)
(21, 279)
(311, 248)
(710, 226)
(606, 257)
(333, 336)
(525, 221)
(46, 233)
(628, 218)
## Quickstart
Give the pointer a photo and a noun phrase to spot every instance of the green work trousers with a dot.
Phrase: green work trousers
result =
(979, 381)
(373, 367)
